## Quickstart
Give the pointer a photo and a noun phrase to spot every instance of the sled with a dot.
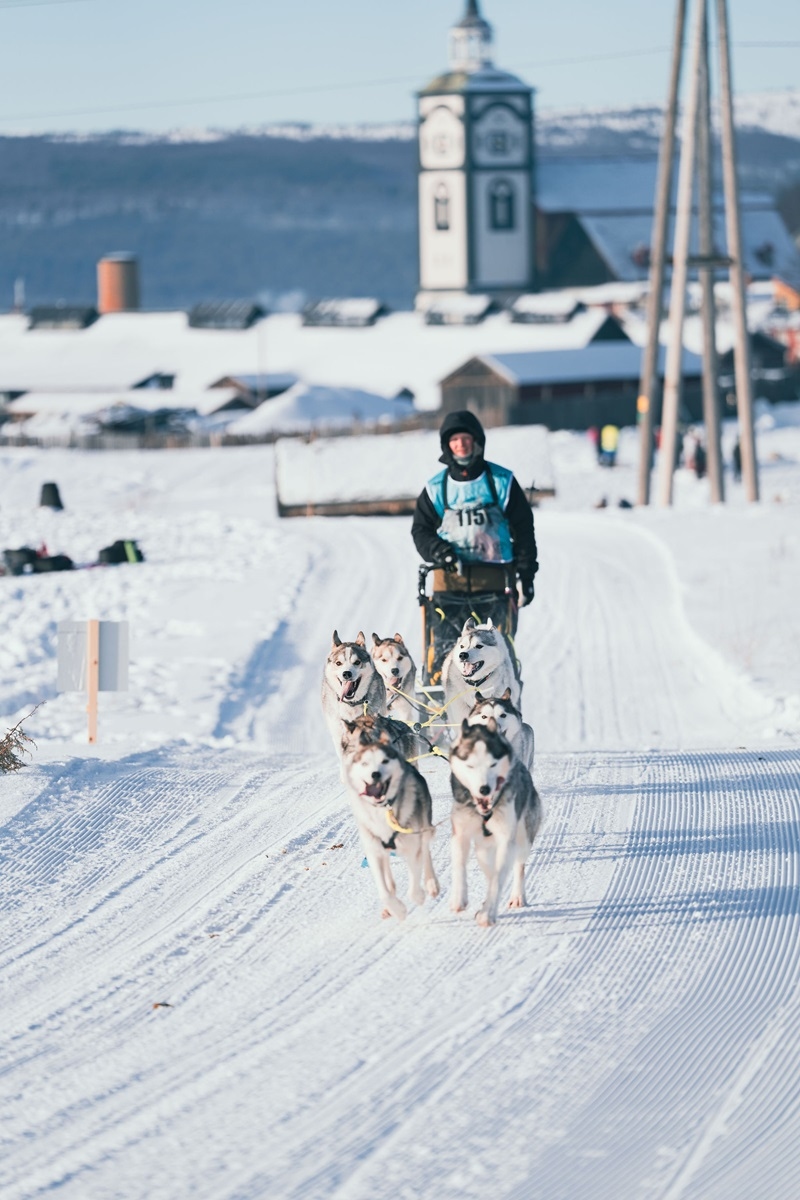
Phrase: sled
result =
(443, 618)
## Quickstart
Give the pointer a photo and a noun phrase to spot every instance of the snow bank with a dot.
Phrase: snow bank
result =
(395, 467)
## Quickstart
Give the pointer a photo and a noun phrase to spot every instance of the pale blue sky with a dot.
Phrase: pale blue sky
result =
(162, 64)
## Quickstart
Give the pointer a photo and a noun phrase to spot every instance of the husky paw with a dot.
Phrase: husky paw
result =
(517, 902)
(416, 897)
(385, 915)
(458, 905)
(432, 887)
(484, 918)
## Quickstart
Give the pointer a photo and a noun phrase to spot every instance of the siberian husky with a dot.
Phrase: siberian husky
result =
(479, 661)
(350, 685)
(497, 809)
(509, 723)
(396, 668)
(385, 730)
(392, 807)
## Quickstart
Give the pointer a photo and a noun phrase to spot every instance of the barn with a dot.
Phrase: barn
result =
(561, 389)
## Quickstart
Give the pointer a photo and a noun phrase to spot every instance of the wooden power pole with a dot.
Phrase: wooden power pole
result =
(648, 382)
(741, 344)
(695, 159)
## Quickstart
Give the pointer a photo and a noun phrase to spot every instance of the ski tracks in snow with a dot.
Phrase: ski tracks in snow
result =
(631, 1033)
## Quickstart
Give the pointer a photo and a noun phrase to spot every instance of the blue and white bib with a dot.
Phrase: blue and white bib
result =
(473, 516)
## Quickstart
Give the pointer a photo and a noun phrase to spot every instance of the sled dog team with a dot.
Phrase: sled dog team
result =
(369, 704)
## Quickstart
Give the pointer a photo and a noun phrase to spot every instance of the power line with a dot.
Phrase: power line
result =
(319, 88)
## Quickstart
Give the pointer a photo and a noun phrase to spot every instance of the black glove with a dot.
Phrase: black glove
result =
(525, 592)
(446, 557)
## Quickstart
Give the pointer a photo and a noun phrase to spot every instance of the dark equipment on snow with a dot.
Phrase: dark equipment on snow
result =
(19, 562)
(52, 562)
(120, 552)
(50, 497)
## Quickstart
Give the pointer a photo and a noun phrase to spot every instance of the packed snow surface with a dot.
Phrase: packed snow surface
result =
(199, 996)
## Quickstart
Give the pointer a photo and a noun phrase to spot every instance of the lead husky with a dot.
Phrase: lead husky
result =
(496, 808)
(392, 807)
(480, 660)
(396, 668)
(509, 723)
(350, 685)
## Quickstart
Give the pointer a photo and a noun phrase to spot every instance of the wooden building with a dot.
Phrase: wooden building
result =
(561, 389)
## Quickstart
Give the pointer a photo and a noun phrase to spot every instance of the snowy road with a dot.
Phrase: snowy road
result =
(633, 1033)
(198, 996)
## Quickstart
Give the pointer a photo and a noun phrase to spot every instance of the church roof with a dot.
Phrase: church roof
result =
(489, 79)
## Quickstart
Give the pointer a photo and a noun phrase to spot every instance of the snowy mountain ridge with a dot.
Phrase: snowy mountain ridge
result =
(774, 112)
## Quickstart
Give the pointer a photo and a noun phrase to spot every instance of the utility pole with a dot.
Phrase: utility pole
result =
(706, 263)
(648, 382)
(673, 372)
(697, 142)
(741, 345)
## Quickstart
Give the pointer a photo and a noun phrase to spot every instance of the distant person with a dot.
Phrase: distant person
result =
(736, 459)
(593, 434)
(609, 443)
(700, 459)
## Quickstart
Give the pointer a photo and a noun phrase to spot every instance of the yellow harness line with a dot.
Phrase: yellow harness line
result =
(417, 703)
(434, 753)
(395, 824)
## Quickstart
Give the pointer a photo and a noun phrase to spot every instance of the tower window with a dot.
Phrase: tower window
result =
(441, 207)
(501, 205)
(498, 142)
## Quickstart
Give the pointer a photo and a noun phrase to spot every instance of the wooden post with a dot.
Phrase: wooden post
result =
(673, 373)
(648, 381)
(711, 416)
(92, 675)
(741, 345)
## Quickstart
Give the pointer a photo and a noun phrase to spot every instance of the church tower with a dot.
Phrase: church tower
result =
(475, 171)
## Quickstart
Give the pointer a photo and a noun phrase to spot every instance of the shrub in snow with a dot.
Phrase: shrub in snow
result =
(14, 746)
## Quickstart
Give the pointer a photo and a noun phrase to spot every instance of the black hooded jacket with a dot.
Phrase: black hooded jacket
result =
(518, 511)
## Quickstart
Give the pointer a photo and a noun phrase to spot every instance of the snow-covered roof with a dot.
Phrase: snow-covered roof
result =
(305, 407)
(600, 361)
(399, 351)
(142, 399)
(555, 305)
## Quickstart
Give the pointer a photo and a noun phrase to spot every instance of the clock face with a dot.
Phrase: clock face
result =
(499, 138)
(441, 140)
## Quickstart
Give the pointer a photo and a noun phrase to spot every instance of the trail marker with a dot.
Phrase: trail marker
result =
(92, 658)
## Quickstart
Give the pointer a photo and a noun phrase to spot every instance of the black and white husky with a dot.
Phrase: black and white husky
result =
(350, 685)
(479, 661)
(396, 668)
(509, 722)
(497, 809)
(397, 734)
(392, 807)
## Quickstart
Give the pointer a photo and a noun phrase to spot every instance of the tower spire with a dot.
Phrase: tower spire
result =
(471, 41)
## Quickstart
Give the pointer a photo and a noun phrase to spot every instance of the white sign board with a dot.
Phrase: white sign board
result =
(73, 657)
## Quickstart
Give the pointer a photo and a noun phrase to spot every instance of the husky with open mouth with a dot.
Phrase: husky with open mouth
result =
(497, 810)
(509, 722)
(480, 661)
(350, 686)
(393, 811)
(396, 668)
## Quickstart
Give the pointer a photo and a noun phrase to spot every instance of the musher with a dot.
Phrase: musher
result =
(474, 523)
